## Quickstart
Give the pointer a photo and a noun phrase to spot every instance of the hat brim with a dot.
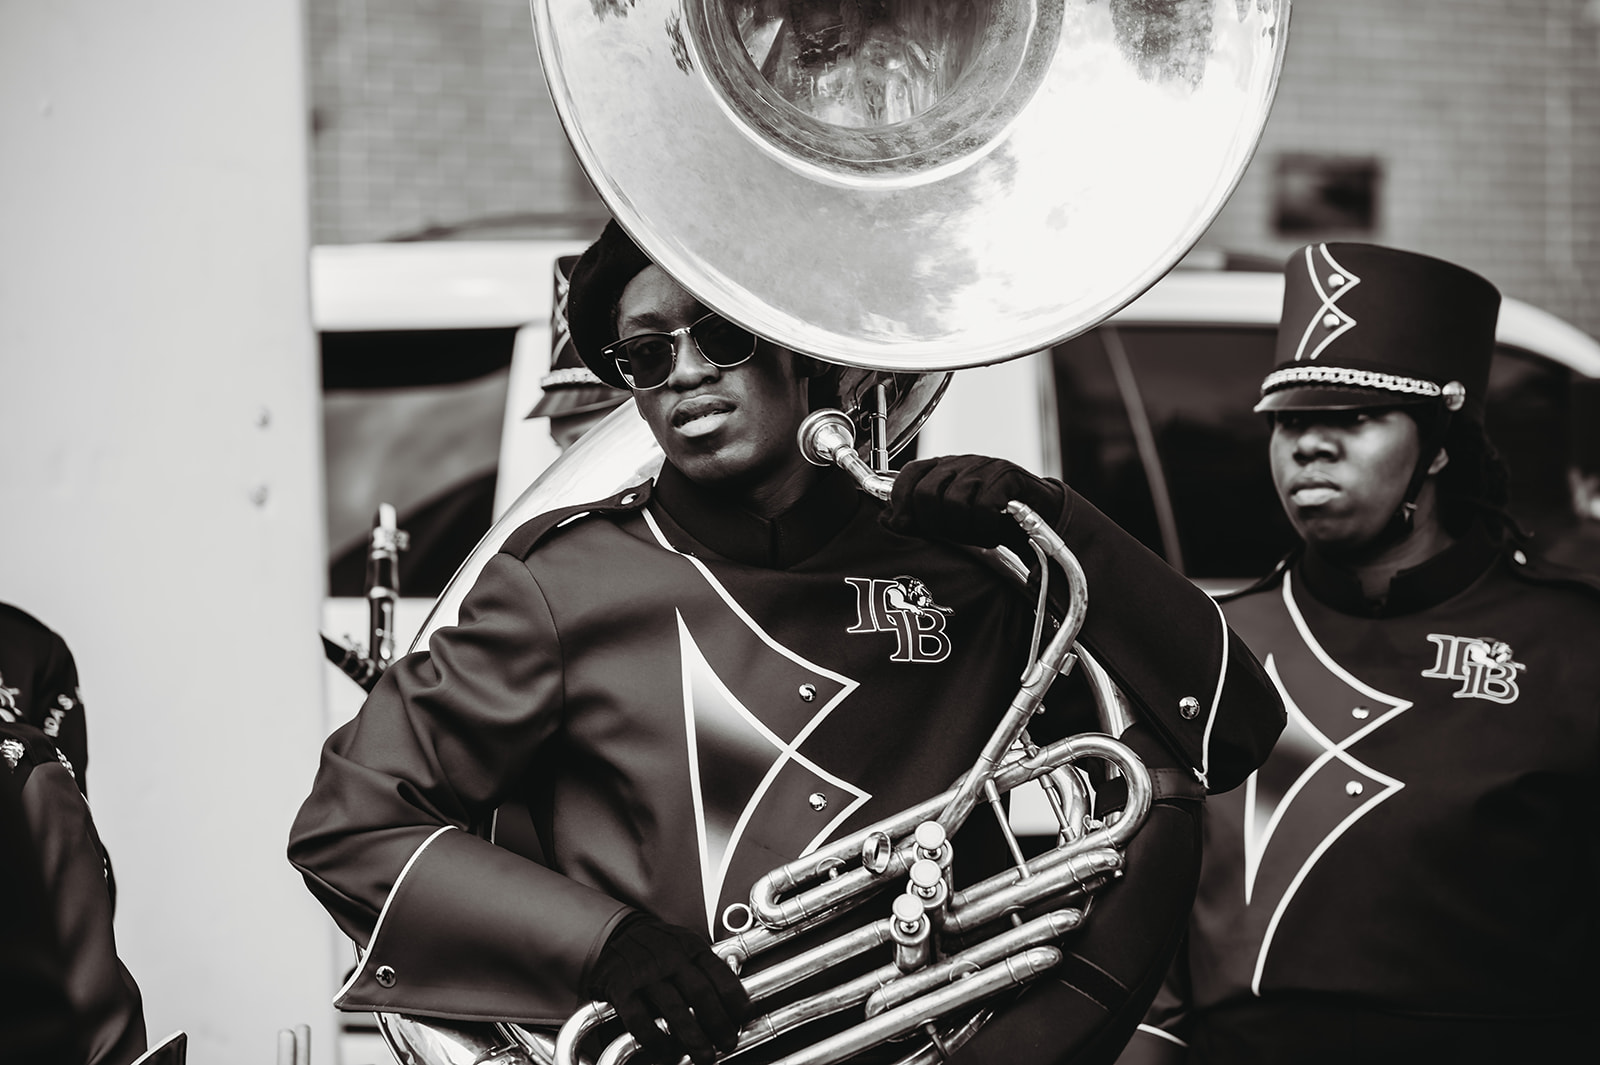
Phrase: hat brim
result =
(558, 402)
(1324, 397)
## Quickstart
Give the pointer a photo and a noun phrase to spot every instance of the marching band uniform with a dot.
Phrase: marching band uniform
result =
(67, 995)
(59, 854)
(43, 758)
(1423, 837)
(1411, 875)
(686, 696)
(536, 692)
(35, 1012)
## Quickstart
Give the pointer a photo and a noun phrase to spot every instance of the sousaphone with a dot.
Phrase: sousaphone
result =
(913, 184)
(903, 187)
(900, 187)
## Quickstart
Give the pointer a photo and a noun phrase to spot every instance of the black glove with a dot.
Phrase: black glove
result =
(649, 969)
(962, 498)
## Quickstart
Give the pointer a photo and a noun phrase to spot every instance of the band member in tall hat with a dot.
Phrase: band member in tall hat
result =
(700, 678)
(573, 397)
(1412, 874)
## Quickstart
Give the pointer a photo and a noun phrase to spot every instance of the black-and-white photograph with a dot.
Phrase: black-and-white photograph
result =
(799, 532)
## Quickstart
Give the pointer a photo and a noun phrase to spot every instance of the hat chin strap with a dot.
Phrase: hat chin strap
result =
(1402, 522)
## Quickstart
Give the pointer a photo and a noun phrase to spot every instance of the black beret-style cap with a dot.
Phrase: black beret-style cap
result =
(569, 387)
(1369, 326)
(602, 272)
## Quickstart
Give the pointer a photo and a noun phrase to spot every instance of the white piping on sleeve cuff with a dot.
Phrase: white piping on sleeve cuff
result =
(378, 926)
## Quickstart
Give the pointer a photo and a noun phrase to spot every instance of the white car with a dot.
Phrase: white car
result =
(432, 354)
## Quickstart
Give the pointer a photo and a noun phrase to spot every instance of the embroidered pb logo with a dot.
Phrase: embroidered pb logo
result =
(905, 607)
(1486, 667)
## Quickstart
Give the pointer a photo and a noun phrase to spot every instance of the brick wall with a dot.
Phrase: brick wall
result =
(432, 116)
(1483, 116)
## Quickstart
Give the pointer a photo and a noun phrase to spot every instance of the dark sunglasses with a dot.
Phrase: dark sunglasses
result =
(646, 360)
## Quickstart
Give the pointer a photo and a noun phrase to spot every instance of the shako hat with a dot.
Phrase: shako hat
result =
(601, 273)
(1368, 326)
(570, 387)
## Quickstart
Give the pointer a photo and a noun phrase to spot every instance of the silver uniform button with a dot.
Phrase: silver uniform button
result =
(1361, 713)
(385, 975)
(1519, 557)
(1189, 707)
(1330, 320)
(817, 800)
(1335, 280)
(808, 692)
(1353, 788)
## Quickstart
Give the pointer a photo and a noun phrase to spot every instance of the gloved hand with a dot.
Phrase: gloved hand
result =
(648, 969)
(962, 498)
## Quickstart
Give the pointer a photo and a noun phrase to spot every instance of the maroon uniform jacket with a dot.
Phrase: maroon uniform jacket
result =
(62, 851)
(1413, 874)
(686, 696)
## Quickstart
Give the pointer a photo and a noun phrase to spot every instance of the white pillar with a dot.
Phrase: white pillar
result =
(159, 475)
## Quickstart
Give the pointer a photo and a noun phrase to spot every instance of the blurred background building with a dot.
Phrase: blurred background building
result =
(1468, 129)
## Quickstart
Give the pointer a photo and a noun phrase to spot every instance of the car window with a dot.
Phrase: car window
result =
(411, 418)
(1188, 391)
(1099, 455)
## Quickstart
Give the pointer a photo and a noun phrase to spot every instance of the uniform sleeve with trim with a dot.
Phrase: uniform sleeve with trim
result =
(1167, 645)
(453, 926)
(106, 1004)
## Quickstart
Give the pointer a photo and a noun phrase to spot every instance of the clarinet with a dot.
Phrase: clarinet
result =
(383, 592)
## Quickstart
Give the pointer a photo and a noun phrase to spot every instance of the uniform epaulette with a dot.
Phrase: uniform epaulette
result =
(531, 533)
(1272, 577)
(1538, 570)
